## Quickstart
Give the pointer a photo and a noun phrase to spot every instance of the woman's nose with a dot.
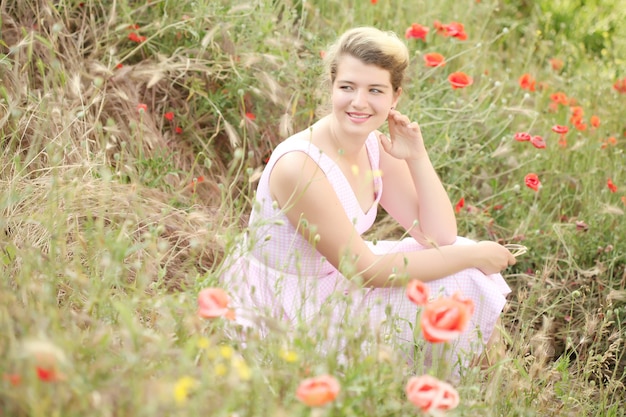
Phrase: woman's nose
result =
(359, 99)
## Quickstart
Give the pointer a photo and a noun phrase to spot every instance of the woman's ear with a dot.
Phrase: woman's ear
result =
(396, 97)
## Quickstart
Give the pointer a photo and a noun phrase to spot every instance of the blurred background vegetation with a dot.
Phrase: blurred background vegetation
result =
(131, 137)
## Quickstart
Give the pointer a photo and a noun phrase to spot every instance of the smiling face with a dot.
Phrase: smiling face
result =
(362, 96)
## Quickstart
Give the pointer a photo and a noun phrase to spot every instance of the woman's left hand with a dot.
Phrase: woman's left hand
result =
(405, 141)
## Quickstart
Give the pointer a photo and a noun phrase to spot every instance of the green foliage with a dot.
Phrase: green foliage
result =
(113, 217)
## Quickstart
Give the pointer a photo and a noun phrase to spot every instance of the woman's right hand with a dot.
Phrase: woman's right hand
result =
(491, 257)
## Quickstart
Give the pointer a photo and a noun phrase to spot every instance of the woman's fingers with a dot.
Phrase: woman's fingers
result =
(397, 121)
(392, 128)
(400, 119)
(385, 142)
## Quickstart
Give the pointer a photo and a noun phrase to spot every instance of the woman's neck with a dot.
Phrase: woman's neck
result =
(346, 146)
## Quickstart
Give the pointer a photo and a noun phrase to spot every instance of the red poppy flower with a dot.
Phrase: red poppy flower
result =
(431, 395)
(195, 182)
(595, 121)
(560, 129)
(459, 80)
(610, 141)
(527, 82)
(434, 59)
(456, 30)
(136, 38)
(169, 115)
(318, 391)
(439, 27)
(556, 64)
(178, 130)
(142, 108)
(577, 111)
(620, 86)
(46, 375)
(612, 187)
(417, 292)
(579, 125)
(522, 137)
(532, 181)
(538, 142)
(120, 65)
(250, 116)
(577, 114)
(445, 318)
(469, 304)
(452, 29)
(560, 98)
(459, 205)
(374, 1)
(14, 379)
(214, 303)
(416, 31)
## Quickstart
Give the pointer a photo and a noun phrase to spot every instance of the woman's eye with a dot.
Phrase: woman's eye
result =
(375, 91)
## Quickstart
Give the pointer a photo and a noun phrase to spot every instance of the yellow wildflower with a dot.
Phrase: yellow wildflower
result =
(182, 388)
(203, 343)
(220, 369)
(226, 351)
(288, 355)
(242, 369)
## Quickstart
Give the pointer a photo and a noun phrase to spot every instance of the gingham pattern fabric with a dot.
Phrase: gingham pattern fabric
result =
(275, 272)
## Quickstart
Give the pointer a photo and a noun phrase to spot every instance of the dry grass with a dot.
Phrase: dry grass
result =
(111, 219)
(73, 137)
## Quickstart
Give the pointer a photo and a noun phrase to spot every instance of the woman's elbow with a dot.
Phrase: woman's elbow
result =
(449, 237)
(447, 240)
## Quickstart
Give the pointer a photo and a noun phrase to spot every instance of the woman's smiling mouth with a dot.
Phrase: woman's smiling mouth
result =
(358, 116)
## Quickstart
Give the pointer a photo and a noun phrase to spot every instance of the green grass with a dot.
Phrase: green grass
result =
(107, 235)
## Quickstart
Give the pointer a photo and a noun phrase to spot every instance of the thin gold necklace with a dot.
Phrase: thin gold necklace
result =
(333, 137)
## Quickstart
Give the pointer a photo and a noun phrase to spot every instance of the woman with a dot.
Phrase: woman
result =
(319, 193)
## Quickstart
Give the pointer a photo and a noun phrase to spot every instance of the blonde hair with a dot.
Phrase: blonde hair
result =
(370, 46)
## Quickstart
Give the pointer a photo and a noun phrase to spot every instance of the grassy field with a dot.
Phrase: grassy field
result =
(131, 137)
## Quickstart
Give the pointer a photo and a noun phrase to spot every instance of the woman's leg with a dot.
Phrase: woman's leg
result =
(482, 339)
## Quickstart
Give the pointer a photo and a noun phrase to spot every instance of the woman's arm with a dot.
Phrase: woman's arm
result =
(415, 197)
(412, 191)
(304, 193)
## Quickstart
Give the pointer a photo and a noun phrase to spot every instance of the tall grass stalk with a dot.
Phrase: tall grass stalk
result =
(128, 170)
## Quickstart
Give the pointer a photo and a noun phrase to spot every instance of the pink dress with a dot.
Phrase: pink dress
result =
(276, 273)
